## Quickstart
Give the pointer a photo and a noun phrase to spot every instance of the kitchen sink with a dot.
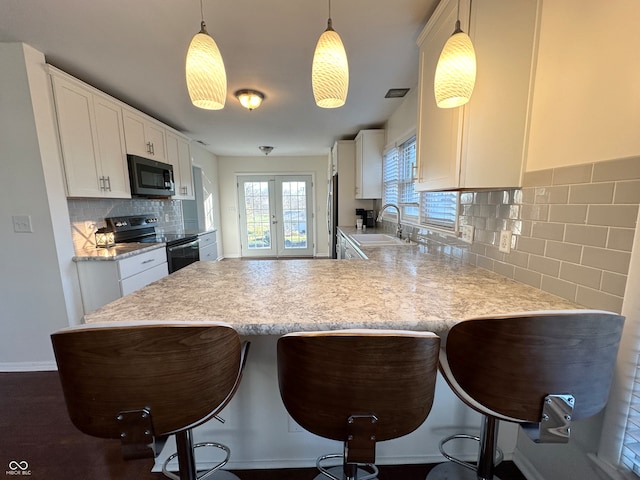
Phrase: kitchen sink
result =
(372, 239)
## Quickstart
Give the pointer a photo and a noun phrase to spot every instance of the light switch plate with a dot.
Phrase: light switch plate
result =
(22, 224)
(467, 232)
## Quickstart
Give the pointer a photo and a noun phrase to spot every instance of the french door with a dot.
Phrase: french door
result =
(276, 218)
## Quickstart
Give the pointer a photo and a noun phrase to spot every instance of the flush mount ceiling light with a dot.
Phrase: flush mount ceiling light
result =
(249, 99)
(330, 71)
(266, 149)
(206, 76)
(456, 71)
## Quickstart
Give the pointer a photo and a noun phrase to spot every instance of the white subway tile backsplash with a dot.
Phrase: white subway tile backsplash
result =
(613, 215)
(592, 193)
(575, 231)
(572, 174)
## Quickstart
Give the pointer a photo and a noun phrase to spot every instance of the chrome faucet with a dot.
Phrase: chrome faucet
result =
(399, 227)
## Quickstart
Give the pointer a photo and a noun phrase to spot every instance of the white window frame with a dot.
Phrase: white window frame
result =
(400, 175)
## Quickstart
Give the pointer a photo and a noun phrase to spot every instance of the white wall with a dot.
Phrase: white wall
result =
(230, 167)
(39, 292)
(586, 108)
(402, 122)
(586, 101)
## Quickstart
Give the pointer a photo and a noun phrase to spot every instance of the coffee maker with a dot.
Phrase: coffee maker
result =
(368, 217)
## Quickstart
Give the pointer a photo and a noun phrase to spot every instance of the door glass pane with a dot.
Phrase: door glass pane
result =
(256, 198)
(294, 210)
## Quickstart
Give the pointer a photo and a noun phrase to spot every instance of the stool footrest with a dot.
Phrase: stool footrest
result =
(462, 436)
(326, 470)
(206, 474)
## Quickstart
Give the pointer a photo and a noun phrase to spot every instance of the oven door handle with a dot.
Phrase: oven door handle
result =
(184, 245)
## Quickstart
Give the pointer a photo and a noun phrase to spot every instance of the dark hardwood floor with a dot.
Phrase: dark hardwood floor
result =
(35, 429)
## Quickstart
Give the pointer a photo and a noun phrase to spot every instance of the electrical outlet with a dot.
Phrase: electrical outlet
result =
(467, 233)
(505, 241)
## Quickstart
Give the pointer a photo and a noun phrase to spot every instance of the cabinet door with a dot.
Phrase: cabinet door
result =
(496, 118)
(438, 139)
(111, 148)
(134, 134)
(155, 135)
(74, 110)
(369, 145)
(144, 137)
(179, 155)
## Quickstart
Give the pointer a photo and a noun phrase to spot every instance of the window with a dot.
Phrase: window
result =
(398, 166)
(631, 442)
(439, 209)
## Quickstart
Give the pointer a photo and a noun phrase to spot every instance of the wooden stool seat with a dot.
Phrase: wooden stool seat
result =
(541, 370)
(358, 386)
(140, 381)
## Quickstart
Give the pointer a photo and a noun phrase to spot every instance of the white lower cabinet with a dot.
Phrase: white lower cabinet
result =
(103, 281)
(208, 247)
(346, 250)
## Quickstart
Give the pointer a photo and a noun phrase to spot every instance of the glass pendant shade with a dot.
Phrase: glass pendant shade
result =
(456, 71)
(206, 76)
(330, 71)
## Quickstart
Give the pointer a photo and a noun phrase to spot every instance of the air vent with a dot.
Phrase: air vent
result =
(397, 92)
(202, 143)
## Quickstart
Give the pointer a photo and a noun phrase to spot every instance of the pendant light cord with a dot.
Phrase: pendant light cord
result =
(202, 10)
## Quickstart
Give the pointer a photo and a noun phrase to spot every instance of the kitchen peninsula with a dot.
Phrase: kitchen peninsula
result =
(406, 286)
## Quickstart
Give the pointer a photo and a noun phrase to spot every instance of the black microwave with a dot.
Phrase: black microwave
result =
(150, 178)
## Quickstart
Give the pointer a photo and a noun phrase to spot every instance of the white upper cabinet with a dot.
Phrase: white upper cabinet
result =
(369, 146)
(482, 144)
(179, 155)
(92, 140)
(144, 136)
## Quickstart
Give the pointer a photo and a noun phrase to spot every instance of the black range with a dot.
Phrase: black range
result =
(182, 248)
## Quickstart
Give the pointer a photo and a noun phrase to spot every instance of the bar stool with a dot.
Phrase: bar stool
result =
(358, 387)
(138, 382)
(541, 370)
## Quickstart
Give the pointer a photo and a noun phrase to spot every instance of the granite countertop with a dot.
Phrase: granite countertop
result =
(399, 287)
(117, 252)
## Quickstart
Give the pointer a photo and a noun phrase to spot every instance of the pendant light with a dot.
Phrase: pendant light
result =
(456, 71)
(206, 76)
(330, 71)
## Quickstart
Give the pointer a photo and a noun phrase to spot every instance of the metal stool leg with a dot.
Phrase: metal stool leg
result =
(187, 463)
(350, 471)
(489, 456)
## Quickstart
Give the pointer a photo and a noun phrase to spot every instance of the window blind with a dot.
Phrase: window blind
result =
(407, 164)
(631, 441)
(439, 209)
(390, 176)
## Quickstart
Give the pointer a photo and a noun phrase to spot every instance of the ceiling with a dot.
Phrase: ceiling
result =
(135, 51)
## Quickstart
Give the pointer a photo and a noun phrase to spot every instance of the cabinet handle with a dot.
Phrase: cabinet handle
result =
(101, 181)
(149, 261)
(107, 183)
(149, 148)
(153, 150)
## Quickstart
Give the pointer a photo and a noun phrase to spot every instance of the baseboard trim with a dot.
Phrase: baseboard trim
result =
(605, 470)
(526, 467)
(28, 366)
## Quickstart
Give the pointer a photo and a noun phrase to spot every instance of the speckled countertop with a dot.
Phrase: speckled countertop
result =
(117, 252)
(399, 287)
